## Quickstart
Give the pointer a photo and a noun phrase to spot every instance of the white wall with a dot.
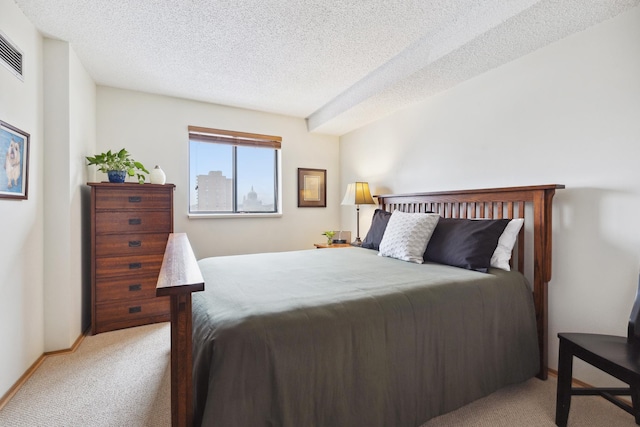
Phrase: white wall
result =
(82, 143)
(42, 258)
(569, 114)
(21, 301)
(69, 126)
(154, 130)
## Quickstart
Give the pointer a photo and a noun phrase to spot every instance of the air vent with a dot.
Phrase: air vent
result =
(10, 56)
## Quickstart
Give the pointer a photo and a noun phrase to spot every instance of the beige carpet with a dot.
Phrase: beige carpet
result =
(121, 378)
(118, 378)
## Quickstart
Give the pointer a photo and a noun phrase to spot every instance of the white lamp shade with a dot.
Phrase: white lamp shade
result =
(358, 194)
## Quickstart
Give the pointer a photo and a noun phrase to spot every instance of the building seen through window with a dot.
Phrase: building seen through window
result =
(215, 194)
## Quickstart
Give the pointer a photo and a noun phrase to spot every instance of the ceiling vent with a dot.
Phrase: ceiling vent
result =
(10, 56)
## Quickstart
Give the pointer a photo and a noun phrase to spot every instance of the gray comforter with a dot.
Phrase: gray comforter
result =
(343, 337)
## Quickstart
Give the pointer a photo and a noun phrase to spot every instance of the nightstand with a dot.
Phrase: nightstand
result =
(335, 245)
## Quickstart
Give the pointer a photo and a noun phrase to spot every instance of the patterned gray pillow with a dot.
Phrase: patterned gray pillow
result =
(407, 235)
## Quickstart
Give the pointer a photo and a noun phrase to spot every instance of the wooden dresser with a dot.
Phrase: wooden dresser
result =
(130, 225)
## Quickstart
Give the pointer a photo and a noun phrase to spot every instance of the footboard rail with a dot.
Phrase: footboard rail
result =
(179, 277)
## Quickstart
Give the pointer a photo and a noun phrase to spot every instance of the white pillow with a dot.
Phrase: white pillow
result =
(502, 255)
(407, 235)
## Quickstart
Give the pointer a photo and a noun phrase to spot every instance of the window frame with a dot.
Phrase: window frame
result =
(238, 139)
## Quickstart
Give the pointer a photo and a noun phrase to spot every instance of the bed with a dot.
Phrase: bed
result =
(354, 338)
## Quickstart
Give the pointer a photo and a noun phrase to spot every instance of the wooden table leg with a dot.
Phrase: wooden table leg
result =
(563, 393)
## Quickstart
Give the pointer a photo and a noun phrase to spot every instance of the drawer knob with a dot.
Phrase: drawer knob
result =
(135, 243)
(135, 221)
(134, 288)
(135, 199)
(134, 265)
(136, 309)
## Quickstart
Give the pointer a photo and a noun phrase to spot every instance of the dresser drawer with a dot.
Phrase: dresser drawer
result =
(127, 198)
(133, 222)
(126, 288)
(130, 244)
(131, 313)
(128, 265)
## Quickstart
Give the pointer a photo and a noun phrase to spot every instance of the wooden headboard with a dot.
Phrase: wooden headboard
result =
(508, 202)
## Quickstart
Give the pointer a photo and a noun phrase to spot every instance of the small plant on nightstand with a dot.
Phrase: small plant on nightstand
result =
(329, 235)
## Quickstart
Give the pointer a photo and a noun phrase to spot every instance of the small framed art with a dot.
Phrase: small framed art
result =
(312, 188)
(14, 158)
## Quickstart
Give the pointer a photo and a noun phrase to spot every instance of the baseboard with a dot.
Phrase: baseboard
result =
(23, 379)
(29, 372)
(72, 349)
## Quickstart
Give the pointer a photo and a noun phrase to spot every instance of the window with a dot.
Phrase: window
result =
(233, 172)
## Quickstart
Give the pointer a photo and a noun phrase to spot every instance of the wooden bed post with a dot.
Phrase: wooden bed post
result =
(179, 277)
(542, 202)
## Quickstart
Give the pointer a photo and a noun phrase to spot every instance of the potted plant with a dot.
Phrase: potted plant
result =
(118, 165)
(329, 235)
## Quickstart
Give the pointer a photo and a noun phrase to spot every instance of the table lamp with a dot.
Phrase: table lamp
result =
(358, 194)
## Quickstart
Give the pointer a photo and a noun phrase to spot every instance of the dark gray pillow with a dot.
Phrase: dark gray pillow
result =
(376, 231)
(465, 243)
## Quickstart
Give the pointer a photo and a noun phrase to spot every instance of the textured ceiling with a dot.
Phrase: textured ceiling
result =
(338, 63)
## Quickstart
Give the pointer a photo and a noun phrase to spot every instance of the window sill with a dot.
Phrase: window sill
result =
(236, 215)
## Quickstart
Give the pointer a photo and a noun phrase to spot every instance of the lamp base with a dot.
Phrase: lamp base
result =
(356, 242)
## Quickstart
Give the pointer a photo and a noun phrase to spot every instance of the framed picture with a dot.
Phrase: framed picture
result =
(312, 188)
(14, 166)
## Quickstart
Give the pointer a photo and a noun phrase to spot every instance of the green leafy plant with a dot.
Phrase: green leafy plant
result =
(329, 235)
(119, 161)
